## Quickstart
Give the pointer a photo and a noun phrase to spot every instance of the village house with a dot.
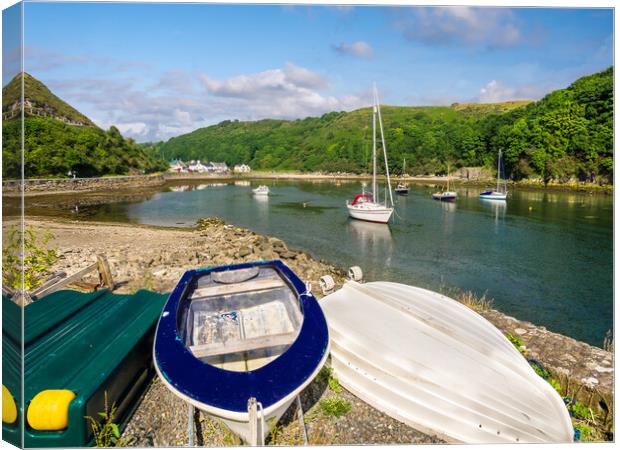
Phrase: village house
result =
(198, 167)
(177, 166)
(242, 168)
(217, 167)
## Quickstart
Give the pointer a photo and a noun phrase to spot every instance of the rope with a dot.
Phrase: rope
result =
(262, 422)
(396, 214)
(300, 418)
(190, 424)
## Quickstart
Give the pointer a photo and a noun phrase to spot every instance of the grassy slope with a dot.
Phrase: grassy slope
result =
(566, 135)
(41, 97)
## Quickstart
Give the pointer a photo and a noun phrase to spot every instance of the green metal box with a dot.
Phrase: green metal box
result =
(85, 343)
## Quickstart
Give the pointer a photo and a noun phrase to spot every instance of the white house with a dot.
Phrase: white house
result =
(242, 168)
(198, 167)
(177, 166)
(217, 167)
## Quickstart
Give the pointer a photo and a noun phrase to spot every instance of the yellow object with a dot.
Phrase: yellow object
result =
(49, 409)
(9, 409)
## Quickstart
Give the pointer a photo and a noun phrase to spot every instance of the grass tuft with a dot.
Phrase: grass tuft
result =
(334, 406)
(478, 304)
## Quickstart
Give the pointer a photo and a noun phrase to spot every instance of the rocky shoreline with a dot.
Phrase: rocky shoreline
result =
(12, 188)
(155, 258)
(32, 187)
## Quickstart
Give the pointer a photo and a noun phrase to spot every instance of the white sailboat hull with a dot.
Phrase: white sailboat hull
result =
(439, 367)
(448, 195)
(370, 212)
(493, 196)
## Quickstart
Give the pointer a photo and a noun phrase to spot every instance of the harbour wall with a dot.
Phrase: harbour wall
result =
(64, 185)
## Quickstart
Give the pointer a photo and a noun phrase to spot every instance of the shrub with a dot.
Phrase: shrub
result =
(37, 259)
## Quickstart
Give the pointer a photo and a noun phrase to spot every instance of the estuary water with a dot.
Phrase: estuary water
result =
(542, 256)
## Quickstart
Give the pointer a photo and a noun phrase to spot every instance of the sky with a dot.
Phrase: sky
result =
(159, 70)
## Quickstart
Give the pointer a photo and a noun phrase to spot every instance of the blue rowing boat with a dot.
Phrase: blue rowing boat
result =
(240, 342)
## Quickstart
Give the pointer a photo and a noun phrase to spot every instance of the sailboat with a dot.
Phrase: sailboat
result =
(497, 194)
(402, 188)
(446, 195)
(366, 206)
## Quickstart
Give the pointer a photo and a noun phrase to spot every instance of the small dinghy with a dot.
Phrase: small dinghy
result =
(240, 342)
(261, 190)
(436, 365)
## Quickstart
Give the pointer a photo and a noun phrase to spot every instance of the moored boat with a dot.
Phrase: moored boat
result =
(447, 195)
(240, 343)
(366, 206)
(498, 194)
(402, 189)
(261, 190)
(436, 365)
(363, 208)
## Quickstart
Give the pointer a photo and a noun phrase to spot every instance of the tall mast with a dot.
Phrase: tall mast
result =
(499, 158)
(387, 170)
(374, 152)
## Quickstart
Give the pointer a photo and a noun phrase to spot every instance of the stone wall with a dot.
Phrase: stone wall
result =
(474, 173)
(586, 373)
(81, 184)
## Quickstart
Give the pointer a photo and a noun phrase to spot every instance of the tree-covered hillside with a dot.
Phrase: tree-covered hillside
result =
(567, 134)
(59, 139)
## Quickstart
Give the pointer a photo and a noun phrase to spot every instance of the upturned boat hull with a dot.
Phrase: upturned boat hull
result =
(439, 367)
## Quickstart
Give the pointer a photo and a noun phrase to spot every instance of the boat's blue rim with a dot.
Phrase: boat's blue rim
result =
(231, 390)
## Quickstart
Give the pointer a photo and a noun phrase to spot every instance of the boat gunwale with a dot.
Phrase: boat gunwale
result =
(258, 381)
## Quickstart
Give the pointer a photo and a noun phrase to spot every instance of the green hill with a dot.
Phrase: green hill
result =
(39, 101)
(568, 134)
(59, 139)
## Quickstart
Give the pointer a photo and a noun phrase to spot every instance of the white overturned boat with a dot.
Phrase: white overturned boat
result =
(261, 190)
(240, 343)
(436, 365)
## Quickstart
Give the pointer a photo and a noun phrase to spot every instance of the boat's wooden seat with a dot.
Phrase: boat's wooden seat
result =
(257, 343)
(260, 284)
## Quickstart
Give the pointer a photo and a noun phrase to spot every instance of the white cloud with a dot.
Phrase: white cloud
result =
(303, 77)
(461, 25)
(496, 91)
(270, 82)
(132, 128)
(358, 49)
(181, 102)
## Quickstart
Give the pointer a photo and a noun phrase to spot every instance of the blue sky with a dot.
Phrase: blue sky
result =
(159, 70)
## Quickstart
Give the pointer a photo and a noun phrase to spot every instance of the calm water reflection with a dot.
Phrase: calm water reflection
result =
(542, 256)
